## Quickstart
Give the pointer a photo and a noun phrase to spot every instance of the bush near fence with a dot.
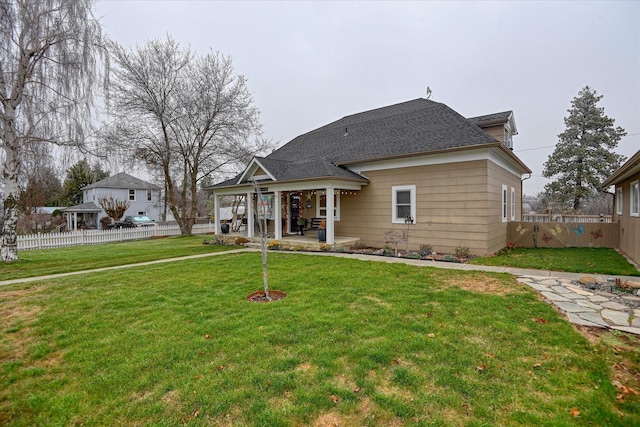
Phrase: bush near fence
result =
(98, 237)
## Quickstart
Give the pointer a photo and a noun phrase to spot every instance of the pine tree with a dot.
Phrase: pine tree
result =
(583, 157)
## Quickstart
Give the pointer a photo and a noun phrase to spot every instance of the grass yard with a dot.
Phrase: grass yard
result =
(353, 343)
(77, 258)
(575, 260)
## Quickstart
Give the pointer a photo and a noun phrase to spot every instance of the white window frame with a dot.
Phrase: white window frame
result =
(619, 201)
(336, 208)
(513, 204)
(635, 198)
(504, 204)
(394, 202)
(132, 195)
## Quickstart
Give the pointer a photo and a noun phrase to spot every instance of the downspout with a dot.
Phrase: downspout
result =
(522, 196)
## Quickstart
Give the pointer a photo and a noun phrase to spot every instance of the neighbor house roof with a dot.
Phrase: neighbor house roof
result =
(122, 180)
(83, 207)
(630, 168)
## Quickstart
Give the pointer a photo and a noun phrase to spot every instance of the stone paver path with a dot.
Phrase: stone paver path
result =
(583, 307)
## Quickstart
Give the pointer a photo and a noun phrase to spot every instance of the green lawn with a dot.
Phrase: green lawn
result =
(353, 343)
(575, 260)
(77, 258)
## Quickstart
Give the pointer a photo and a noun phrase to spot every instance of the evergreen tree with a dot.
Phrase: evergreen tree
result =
(583, 157)
(78, 176)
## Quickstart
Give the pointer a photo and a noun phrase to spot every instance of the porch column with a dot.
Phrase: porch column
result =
(249, 213)
(75, 221)
(330, 216)
(216, 214)
(278, 215)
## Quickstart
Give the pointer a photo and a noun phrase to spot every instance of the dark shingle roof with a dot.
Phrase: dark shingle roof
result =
(122, 180)
(288, 170)
(495, 118)
(409, 128)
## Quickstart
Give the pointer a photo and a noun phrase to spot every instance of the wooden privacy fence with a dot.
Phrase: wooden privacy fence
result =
(564, 234)
(584, 219)
(97, 237)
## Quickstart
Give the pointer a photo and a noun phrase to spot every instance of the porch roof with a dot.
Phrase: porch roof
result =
(83, 207)
(284, 171)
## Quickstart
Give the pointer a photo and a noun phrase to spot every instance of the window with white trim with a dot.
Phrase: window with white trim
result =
(635, 198)
(321, 203)
(403, 202)
(149, 195)
(513, 204)
(504, 203)
(132, 195)
(619, 201)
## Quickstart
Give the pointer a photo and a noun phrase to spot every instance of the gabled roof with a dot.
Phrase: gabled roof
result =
(630, 168)
(505, 117)
(122, 180)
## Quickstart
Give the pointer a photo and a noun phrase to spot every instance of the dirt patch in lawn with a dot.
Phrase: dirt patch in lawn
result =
(480, 284)
(16, 320)
(259, 296)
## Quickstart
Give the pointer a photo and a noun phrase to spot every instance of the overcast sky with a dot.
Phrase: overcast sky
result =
(310, 63)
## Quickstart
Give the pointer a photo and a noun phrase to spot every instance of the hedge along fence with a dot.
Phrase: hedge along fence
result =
(98, 237)
(564, 235)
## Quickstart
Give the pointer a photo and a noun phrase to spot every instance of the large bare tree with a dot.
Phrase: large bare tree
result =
(48, 68)
(184, 114)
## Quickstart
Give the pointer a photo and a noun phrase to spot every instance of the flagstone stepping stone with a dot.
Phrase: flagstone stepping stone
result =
(614, 306)
(616, 317)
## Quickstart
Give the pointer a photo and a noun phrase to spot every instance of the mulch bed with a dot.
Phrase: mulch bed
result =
(259, 296)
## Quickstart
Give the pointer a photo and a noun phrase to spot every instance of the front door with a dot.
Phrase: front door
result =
(294, 212)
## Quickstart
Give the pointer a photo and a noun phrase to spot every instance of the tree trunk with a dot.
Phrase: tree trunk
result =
(9, 246)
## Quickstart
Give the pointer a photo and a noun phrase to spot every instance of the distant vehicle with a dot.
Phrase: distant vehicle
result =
(133, 221)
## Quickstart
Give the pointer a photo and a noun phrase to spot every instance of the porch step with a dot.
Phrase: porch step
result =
(312, 244)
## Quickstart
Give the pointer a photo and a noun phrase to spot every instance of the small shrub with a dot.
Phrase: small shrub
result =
(414, 255)
(241, 241)
(297, 248)
(449, 257)
(463, 252)
(425, 250)
(274, 245)
(325, 247)
(359, 245)
(388, 250)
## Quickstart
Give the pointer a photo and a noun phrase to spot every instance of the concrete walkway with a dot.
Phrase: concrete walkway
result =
(581, 307)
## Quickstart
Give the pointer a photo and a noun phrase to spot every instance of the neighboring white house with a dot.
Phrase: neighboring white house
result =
(144, 199)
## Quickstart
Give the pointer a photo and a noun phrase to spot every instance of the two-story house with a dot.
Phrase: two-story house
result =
(143, 197)
(418, 165)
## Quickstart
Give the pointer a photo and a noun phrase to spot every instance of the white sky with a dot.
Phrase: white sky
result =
(310, 63)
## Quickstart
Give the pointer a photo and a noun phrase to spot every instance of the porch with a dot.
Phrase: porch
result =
(309, 241)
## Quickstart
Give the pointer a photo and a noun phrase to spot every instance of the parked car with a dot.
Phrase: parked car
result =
(133, 221)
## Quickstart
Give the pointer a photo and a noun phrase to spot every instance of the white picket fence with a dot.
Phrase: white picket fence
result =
(98, 237)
